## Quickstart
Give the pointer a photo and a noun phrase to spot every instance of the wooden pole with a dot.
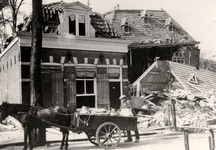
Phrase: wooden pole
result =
(35, 63)
(168, 114)
(174, 114)
(35, 60)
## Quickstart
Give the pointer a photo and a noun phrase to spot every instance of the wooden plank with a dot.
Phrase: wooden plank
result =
(103, 89)
(46, 88)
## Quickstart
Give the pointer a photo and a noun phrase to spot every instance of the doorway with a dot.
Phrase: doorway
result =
(114, 88)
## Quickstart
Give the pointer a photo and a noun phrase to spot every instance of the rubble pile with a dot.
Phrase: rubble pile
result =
(10, 124)
(191, 110)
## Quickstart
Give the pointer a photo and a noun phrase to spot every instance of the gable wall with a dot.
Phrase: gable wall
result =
(10, 84)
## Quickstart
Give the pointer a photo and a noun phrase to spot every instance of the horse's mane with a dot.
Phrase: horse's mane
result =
(14, 107)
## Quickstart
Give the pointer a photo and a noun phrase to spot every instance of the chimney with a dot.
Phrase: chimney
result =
(118, 6)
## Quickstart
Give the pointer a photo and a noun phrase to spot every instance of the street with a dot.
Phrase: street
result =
(169, 141)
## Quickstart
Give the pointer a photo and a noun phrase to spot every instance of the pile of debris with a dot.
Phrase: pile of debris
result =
(190, 109)
(10, 124)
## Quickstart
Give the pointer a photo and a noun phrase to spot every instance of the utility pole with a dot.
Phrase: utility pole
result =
(35, 63)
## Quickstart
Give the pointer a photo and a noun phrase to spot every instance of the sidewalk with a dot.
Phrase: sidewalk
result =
(53, 135)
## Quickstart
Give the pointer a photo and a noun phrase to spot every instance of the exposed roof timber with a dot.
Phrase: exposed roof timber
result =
(152, 83)
(137, 45)
(145, 73)
(178, 79)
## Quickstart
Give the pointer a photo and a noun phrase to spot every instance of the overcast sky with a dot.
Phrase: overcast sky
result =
(197, 17)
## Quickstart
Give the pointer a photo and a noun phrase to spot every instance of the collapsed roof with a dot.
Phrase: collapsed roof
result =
(161, 74)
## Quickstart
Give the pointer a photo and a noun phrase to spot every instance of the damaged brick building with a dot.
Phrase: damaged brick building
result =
(89, 58)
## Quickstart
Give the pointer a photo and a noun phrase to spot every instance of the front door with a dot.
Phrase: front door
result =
(114, 88)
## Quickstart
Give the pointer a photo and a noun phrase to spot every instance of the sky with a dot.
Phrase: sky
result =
(197, 17)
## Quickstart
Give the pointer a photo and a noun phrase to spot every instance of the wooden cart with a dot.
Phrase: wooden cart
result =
(104, 130)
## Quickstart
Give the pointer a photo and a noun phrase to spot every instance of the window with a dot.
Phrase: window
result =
(114, 73)
(85, 89)
(170, 26)
(14, 59)
(82, 25)
(77, 24)
(178, 57)
(146, 19)
(85, 85)
(72, 24)
(126, 28)
(125, 25)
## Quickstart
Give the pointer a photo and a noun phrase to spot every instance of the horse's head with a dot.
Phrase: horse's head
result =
(3, 111)
(7, 109)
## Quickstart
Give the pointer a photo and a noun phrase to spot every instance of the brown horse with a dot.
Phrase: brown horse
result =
(35, 117)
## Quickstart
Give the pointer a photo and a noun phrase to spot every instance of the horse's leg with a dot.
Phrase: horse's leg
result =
(25, 138)
(30, 138)
(63, 139)
(66, 141)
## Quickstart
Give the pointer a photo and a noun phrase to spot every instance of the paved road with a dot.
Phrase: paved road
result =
(165, 141)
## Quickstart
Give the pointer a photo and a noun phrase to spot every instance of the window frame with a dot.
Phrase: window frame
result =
(178, 57)
(94, 86)
(77, 22)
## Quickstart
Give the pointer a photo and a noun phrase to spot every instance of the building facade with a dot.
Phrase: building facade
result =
(76, 68)
(88, 58)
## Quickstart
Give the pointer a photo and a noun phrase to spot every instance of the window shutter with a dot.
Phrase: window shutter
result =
(70, 92)
(103, 90)
(70, 88)
(57, 88)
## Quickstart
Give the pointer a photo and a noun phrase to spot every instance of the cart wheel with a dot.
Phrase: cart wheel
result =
(92, 139)
(108, 135)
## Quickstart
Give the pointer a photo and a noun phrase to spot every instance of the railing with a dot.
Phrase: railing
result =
(186, 138)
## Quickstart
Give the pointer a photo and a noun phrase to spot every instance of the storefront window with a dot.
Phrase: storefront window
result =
(114, 73)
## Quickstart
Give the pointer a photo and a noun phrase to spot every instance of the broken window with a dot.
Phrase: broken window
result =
(72, 24)
(146, 19)
(126, 28)
(178, 57)
(145, 16)
(77, 24)
(125, 25)
(82, 25)
(168, 24)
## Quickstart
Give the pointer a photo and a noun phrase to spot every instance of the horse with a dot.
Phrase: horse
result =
(36, 117)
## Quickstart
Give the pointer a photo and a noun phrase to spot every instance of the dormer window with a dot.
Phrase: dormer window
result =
(144, 15)
(72, 24)
(168, 24)
(125, 26)
(193, 79)
(77, 24)
(170, 27)
(82, 29)
(146, 19)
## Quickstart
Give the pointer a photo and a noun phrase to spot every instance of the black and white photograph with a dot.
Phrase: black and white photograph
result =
(107, 74)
